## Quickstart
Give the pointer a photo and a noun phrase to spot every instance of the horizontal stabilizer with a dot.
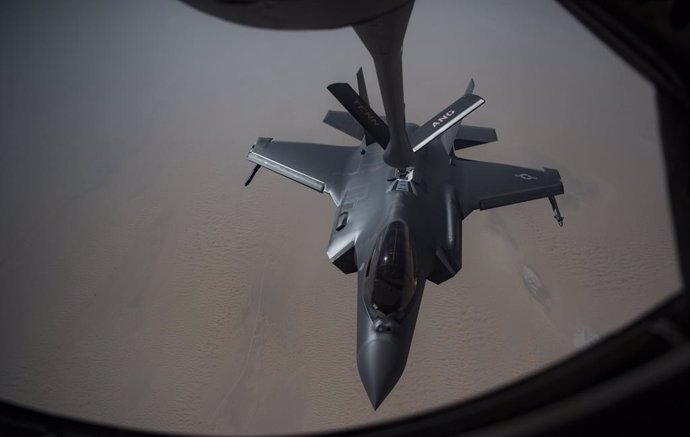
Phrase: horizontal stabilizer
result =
(444, 120)
(468, 136)
(345, 123)
(360, 110)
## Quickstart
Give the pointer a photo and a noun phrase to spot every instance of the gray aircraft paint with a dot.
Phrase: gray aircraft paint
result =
(424, 190)
(430, 199)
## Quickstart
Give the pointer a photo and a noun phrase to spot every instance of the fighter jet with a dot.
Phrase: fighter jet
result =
(400, 195)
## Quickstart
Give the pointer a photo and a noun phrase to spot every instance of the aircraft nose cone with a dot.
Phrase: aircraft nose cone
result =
(380, 365)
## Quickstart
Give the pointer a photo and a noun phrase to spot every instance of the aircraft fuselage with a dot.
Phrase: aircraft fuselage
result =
(398, 213)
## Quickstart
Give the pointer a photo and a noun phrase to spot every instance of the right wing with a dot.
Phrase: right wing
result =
(484, 185)
(317, 166)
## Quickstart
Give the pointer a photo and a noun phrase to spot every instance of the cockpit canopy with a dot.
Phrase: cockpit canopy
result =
(391, 278)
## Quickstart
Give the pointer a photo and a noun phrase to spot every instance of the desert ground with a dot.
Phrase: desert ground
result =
(142, 284)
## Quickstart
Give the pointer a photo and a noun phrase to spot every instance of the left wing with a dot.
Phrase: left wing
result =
(317, 166)
(484, 185)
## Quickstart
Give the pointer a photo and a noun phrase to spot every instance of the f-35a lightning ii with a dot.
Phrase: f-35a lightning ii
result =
(400, 195)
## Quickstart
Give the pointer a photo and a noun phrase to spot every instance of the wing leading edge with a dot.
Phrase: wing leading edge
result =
(317, 166)
(485, 185)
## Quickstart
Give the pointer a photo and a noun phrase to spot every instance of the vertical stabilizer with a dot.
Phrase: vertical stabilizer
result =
(362, 88)
(383, 38)
(360, 110)
(470, 87)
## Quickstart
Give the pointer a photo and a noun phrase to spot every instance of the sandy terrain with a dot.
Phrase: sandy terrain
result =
(142, 284)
